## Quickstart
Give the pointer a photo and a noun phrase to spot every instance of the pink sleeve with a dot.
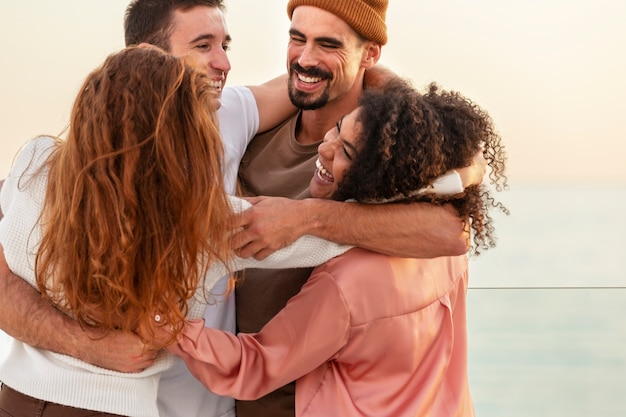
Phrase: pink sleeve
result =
(310, 330)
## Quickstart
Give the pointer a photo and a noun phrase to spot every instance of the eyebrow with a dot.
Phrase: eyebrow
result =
(349, 145)
(209, 36)
(320, 39)
(345, 142)
(339, 123)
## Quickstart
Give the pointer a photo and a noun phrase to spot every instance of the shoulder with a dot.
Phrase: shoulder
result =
(238, 116)
(355, 261)
(235, 99)
(33, 155)
(386, 283)
(358, 260)
(41, 145)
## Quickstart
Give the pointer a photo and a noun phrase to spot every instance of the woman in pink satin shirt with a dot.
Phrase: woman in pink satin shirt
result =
(371, 334)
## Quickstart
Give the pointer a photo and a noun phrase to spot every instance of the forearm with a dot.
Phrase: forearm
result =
(247, 366)
(28, 317)
(417, 230)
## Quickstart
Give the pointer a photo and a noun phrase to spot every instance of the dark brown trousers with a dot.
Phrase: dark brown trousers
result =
(15, 404)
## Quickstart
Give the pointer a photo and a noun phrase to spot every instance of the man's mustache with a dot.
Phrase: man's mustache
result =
(311, 71)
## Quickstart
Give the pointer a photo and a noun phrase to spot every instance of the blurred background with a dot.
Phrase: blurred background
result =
(545, 305)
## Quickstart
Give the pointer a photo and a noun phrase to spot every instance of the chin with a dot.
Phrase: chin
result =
(217, 102)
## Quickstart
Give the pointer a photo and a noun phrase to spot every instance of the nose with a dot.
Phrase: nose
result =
(325, 150)
(220, 61)
(327, 147)
(308, 57)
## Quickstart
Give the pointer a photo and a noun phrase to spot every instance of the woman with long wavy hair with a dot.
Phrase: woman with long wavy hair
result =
(124, 225)
(135, 195)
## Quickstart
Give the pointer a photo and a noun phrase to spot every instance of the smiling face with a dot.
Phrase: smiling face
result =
(325, 57)
(335, 156)
(201, 31)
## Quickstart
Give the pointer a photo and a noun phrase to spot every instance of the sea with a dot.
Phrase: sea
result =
(547, 305)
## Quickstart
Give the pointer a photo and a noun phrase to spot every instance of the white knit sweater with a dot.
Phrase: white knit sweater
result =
(65, 380)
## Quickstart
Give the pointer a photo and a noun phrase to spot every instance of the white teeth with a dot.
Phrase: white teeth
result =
(216, 84)
(322, 173)
(306, 79)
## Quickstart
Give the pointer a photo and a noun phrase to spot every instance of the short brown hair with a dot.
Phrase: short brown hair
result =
(150, 21)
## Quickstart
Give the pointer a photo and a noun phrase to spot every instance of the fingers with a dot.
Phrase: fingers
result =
(262, 254)
(248, 250)
(139, 363)
(481, 163)
(245, 246)
(243, 219)
(144, 363)
(240, 240)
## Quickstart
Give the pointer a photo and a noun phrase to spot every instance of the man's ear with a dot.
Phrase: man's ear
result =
(371, 55)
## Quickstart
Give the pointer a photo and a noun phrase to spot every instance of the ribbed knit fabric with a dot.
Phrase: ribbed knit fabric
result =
(65, 380)
(366, 17)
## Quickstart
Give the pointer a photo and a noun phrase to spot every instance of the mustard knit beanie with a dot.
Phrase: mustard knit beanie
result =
(366, 17)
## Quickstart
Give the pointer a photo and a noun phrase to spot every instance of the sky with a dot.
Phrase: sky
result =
(549, 72)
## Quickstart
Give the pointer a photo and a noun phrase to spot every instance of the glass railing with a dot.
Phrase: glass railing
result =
(549, 352)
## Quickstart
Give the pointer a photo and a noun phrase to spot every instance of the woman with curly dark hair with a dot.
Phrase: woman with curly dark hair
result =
(370, 334)
(406, 142)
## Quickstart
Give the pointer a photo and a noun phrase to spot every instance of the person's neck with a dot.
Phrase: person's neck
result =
(313, 124)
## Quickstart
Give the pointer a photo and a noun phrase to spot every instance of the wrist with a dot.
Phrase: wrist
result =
(315, 213)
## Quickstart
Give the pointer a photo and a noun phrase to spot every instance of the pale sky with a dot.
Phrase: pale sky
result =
(550, 72)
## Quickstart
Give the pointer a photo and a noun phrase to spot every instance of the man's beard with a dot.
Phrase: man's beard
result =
(306, 101)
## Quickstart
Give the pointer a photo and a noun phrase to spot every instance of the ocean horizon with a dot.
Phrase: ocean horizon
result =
(545, 306)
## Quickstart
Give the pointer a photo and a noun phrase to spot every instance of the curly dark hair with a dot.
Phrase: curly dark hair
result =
(409, 139)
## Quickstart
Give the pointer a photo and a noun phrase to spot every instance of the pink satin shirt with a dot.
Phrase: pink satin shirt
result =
(368, 335)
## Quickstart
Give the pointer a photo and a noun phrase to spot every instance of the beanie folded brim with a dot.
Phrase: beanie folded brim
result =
(366, 17)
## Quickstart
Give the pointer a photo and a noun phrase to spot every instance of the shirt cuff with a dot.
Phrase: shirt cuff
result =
(449, 183)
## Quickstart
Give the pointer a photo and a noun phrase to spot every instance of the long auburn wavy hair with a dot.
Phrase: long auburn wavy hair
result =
(135, 209)
(408, 139)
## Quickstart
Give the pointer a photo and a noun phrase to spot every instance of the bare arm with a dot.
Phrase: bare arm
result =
(377, 76)
(417, 230)
(27, 316)
(273, 102)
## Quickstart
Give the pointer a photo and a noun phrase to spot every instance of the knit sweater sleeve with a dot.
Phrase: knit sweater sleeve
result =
(22, 199)
(307, 251)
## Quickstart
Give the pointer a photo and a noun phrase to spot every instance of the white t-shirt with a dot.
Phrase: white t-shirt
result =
(180, 394)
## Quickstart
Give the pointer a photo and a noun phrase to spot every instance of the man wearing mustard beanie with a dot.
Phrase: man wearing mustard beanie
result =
(332, 43)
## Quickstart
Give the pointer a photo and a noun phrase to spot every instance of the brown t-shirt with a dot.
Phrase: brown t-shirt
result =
(275, 164)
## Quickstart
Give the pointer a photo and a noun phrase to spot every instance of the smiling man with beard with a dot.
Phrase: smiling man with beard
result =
(331, 45)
